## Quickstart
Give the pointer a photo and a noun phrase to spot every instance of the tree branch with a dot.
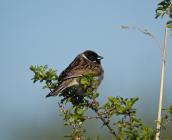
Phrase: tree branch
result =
(105, 122)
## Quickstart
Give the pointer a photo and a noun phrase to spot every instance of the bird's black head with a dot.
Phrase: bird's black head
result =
(92, 56)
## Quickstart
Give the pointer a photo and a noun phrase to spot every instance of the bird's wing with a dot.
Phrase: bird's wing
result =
(79, 67)
(60, 88)
(72, 70)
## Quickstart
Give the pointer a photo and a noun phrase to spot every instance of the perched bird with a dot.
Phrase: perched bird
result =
(86, 63)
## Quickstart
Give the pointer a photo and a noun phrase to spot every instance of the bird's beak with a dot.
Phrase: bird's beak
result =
(100, 57)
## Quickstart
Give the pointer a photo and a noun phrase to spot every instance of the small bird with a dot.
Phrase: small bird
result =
(86, 63)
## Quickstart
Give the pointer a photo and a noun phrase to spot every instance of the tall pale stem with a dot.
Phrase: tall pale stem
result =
(161, 85)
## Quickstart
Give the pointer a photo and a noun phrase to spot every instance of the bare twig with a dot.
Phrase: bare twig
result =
(77, 136)
(105, 122)
(91, 117)
(144, 31)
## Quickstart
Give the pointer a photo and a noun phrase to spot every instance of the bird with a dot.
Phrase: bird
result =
(85, 63)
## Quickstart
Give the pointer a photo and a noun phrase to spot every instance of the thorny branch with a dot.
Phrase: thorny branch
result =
(93, 106)
(128, 127)
(99, 116)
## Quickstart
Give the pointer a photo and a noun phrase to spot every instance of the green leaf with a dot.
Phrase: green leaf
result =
(170, 109)
(169, 24)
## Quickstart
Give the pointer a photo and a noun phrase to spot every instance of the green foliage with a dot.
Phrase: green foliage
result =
(120, 106)
(169, 24)
(167, 117)
(170, 109)
(164, 8)
(128, 126)
(117, 114)
(43, 74)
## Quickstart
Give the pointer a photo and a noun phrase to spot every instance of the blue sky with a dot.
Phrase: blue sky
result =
(53, 32)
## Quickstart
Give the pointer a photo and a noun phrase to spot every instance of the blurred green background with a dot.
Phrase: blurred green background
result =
(53, 32)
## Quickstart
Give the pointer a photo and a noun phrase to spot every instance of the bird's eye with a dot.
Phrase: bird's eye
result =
(92, 58)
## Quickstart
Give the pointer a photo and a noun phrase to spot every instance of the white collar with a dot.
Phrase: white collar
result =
(83, 55)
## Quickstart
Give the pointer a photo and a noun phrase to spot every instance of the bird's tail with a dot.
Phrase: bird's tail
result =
(56, 91)
(62, 86)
